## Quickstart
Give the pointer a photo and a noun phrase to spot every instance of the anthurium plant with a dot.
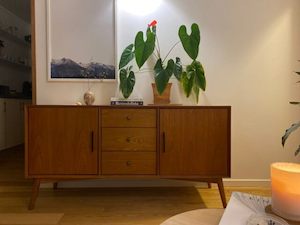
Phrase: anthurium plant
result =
(293, 127)
(191, 77)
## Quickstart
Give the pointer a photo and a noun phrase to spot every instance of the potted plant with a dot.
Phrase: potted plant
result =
(293, 127)
(191, 77)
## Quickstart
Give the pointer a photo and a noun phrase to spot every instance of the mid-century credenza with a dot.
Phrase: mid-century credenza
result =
(110, 142)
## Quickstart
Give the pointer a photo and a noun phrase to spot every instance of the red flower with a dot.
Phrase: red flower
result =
(152, 24)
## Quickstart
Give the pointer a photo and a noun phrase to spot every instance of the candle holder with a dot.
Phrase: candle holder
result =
(285, 178)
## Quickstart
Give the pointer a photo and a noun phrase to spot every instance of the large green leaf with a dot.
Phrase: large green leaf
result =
(126, 82)
(144, 49)
(178, 69)
(163, 75)
(187, 81)
(200, 79)
(288, 132)
(127, 56)
(191, 42)
(196, 90)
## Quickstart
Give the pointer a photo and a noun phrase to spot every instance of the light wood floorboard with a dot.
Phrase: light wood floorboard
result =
(109, 206)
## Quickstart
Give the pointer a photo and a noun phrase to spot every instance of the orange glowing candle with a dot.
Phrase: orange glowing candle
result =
(285, 179)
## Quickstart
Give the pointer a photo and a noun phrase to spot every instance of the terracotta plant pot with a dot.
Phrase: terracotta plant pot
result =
(163, 99)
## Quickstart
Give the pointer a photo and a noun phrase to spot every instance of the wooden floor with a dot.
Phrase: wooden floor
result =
(109, 206)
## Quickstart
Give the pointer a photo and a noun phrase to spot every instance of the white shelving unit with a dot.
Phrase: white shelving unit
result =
(16, 51)
(15, 64)
(14, 38)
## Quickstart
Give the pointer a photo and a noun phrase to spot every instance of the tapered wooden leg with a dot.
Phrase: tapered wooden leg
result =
(222, 192)
(35, 193)
(55, 185)
(209, 185)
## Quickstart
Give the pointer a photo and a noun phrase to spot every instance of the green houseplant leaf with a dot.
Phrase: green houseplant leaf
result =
(127, 82)
(187, 81)
(163, 75)
(196, 90)
(127, 56)
(288, 132)
(144, 49)
(191, 42)
(200, 79)
(178, 69)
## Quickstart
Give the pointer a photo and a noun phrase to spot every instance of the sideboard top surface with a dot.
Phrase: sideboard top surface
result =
(134, 107)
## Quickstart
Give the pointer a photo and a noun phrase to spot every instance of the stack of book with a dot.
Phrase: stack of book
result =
(122, 101)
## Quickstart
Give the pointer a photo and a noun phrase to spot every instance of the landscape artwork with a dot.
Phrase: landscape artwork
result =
(81, 43)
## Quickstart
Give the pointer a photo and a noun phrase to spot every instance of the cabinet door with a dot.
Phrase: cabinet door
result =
(2, 123)
(195, 142)
(62, 140)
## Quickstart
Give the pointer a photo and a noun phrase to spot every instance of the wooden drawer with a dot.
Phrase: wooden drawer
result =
(128, 163)
(128, 118)
(129, 139)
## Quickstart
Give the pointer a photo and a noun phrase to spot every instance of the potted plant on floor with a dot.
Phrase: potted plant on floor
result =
(191, 77)
(293, 128)
(285, 182)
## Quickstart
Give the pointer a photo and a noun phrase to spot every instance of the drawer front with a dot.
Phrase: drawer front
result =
(128, 163)
(128, 118)
(129, 139)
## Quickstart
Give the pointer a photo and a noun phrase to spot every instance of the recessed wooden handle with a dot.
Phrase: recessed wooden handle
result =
(92, 141)
(163, 142)
(128, 163)
(128, 139)
(128, 118)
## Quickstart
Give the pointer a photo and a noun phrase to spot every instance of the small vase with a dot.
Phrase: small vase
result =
(89, 98)
(164, 98)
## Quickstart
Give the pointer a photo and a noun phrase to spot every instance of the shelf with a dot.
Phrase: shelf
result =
(14, 38)
(14, 64)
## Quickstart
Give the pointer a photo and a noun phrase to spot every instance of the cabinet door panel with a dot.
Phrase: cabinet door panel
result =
(63, 140)
(195, 142)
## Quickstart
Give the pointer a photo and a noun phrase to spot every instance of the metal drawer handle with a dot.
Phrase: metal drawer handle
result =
(128, 163)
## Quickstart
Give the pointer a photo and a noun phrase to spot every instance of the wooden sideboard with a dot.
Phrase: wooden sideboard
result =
(101, 142)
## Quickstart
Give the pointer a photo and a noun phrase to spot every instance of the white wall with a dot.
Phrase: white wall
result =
(249, 49)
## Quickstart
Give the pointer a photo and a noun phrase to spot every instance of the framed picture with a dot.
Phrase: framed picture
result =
(81, 43)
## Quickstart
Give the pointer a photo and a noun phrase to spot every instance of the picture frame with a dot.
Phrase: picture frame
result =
(81, 46)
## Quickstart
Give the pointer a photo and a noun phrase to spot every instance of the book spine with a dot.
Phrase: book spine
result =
(126, 103)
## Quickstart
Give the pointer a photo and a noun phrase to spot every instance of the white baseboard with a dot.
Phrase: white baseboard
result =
(247, 182)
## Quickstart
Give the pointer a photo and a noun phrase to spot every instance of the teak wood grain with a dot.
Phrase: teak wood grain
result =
(62, 141)
(128, 117)
(129, 139)
(195, 142)
(126, 163)
(165, 142)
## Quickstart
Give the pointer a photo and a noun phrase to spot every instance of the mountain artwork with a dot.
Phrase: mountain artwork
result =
(68, 69)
